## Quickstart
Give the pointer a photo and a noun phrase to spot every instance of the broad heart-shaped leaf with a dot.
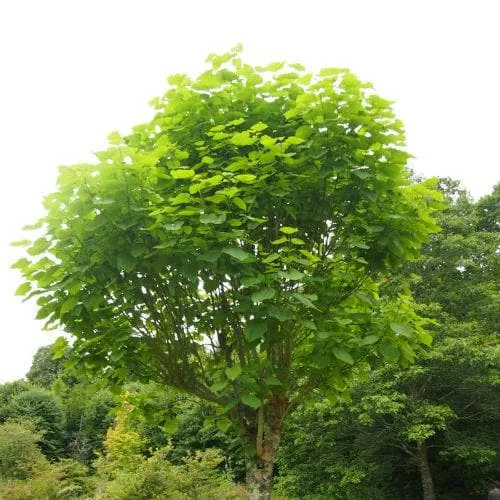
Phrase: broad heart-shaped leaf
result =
(238, 254)
(280, 312)
(234, 372)
(264, 294)
(251, 400)
(343, 355)
(400, 329)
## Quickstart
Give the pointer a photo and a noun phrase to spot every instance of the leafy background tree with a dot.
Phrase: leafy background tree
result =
(439, 419)
(237, 247)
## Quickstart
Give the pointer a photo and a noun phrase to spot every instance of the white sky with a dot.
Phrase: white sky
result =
(71, 71)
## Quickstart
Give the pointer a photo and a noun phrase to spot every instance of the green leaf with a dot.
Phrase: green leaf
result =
(207, 160)
(251, 400)
(425, 338)
(182, 173)
(23, 289)
(218, 386)
(264, 294)
(239, 203)
(170, 425)
(238, 254)
(389, 352)
(258, 127)
(234, 372)
(255, 330)
(272, 381)
(212, 218)
(304, 300)
(246, 178)
(68, 304)
(343, 355)
(400, 329)
(297, 241)
(279, 241)
(291, 274)
(289, 230)
(369, 340)
(243, 139)
(280, 312)
(223, 423)
(59, 348)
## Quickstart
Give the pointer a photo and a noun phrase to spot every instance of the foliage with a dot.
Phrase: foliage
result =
(238, 246)
(66, 479)
(7, 392)
(45, 411)
(19, 450)
(448, 400)
(45, 369)
(128, 473)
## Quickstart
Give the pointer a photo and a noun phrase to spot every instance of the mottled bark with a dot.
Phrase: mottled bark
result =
(425, 472)
(265, 437)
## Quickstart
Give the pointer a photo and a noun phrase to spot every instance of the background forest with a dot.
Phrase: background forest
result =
(426, 431)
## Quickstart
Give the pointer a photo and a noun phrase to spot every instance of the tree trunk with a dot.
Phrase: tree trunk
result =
(425, 472)
(265, 439)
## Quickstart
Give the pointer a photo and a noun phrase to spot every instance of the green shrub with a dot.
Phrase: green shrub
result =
(20, 454)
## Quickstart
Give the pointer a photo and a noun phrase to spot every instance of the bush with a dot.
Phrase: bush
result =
(63, 480)
(20, 454)
(156, 478)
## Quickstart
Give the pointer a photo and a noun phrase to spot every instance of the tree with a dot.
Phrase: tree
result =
(438, 420)
(47, 414)
(45, 369)
(236, 246)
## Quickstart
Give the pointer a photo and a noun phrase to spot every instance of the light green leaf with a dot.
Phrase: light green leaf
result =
(288, 230)
(239, 203)
(425, 338)
(182, 174)
(234, 372)
(223, 423)
(400, 329)
(23, 289)
(68, 304)
(246, 178)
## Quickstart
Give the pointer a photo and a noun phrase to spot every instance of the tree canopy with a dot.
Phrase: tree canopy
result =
(240, 246)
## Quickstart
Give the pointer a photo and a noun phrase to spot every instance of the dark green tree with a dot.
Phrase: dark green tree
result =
(437, 421)
(236, 246)
(46, 412)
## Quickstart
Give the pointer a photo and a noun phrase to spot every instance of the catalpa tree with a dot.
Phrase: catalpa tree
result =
(239, 247)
